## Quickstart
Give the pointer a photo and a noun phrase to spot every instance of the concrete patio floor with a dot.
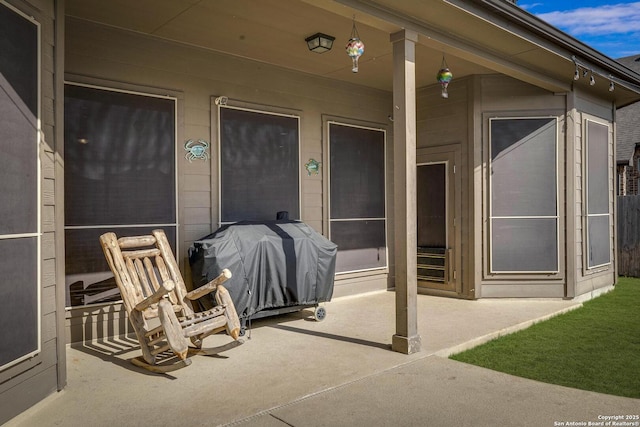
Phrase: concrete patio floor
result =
(294, 371)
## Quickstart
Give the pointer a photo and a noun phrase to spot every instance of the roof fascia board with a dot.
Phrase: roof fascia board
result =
(516, 14)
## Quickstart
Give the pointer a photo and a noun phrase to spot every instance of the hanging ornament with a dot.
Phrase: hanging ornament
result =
(444, 76)
(355, 47)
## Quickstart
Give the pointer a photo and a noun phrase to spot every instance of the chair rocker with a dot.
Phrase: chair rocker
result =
(159, 307)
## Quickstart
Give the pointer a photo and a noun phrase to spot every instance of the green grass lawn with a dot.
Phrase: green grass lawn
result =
(595, 347)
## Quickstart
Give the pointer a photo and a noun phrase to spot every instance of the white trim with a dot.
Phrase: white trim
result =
(19, 236)
(338, 273)
(132, 92)
(89, 227)
(358, 219)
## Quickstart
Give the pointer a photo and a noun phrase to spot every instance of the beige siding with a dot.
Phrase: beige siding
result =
(462, 119)
(125, 60)
(442, 121)
(446, 123)
(99, 323)
(502, 93)
(501, 96)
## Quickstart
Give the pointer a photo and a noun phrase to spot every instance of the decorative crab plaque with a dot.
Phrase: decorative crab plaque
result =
(196, 150)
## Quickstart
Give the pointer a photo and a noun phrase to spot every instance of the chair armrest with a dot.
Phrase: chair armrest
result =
(209, 287)
(163, 290)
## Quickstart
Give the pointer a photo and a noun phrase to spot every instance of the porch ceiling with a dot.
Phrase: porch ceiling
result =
(274, 32)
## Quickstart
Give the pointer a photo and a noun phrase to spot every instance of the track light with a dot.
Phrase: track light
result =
(583, 70)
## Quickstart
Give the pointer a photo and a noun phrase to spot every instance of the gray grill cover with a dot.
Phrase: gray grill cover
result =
(274, 264)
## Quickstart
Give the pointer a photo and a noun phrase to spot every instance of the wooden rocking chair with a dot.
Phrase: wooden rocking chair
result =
(159, 307)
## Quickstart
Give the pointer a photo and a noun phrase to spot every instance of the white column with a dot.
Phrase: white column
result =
(406, 339)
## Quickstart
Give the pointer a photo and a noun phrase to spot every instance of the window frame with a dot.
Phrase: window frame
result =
(111, 87)
(328, 123)
(37, 234)
(235, 105)
(586, 240)
(558, 219)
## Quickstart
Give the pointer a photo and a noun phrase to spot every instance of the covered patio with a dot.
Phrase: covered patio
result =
(292, 370)
(217, 57)
(119, 92)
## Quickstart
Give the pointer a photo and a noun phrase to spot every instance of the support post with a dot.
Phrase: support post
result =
(406, 339)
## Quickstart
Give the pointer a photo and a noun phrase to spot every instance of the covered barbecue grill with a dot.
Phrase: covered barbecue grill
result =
(277, 266)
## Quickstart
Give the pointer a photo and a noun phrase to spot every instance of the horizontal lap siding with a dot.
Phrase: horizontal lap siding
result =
(198, 74)
(114, 58)
(442, 121)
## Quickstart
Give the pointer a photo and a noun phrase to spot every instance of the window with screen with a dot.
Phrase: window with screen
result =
(523, 195)
(259, 165)
(19, 186)
(120, 172)
(598, 226)
(357, 197)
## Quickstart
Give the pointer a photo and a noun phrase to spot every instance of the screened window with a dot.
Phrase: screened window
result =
(523, 195)
(19, 187)
(120, 172)
(357, 197)
(598, 226)
(259, 165)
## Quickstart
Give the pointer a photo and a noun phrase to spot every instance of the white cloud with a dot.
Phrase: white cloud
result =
(606, 19)
(528, 6)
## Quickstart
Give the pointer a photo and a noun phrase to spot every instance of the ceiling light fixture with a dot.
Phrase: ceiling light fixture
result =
(320, 43)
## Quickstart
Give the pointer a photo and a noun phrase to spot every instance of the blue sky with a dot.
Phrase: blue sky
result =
(609, 26)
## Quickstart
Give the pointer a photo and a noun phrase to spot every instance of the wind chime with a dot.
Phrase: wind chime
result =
(444, 76)
(355, 47)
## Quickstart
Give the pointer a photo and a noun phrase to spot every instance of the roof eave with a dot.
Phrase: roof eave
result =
(515, 14)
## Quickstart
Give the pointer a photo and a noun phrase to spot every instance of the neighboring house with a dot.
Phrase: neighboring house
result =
(503, 189)
(628, 140)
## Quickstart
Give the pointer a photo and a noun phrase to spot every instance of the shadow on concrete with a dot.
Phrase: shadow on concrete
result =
(333, 337)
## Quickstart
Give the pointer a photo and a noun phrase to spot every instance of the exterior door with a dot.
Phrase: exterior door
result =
(438, 249)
